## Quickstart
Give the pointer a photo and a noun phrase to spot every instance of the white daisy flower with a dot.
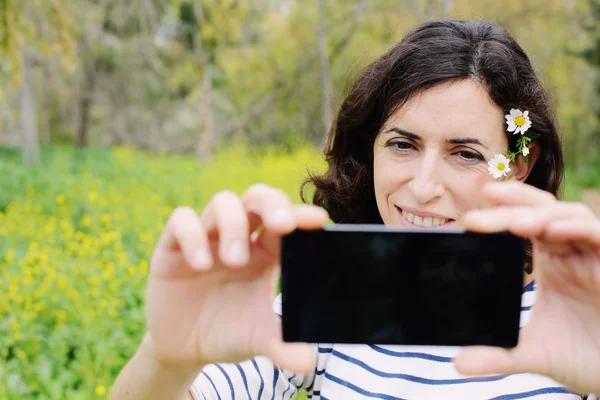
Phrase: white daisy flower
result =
(499, 166)
(525, 151)
(518, 122)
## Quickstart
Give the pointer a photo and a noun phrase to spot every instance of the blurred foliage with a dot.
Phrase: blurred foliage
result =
(75, 240)
(45, 26)
(147, 60)
(592, 55)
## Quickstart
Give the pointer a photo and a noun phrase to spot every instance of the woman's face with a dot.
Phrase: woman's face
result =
(430, 157)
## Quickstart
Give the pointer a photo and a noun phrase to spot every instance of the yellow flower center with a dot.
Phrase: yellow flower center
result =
(520, 120)
(500, 167)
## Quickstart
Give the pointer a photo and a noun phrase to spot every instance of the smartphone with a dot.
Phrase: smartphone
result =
(373, 284)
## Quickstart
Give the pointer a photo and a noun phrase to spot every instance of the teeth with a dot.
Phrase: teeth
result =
(426, 222)
(408, 215)
(439, 221)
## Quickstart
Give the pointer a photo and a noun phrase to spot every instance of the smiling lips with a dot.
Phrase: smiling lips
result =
(425, 222)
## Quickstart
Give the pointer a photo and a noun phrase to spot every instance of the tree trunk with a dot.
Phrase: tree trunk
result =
(86, 99)
(430, 13)
(419, 10)
(325, 73)
(204, 147)
(45, 113)
(206, 135)
(30, 147)
(581, 153)
(447, 10)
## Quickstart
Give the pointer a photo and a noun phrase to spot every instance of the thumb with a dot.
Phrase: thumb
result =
(300, 358)
(483, 360)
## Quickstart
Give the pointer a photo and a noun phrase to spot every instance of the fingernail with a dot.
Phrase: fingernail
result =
(238, 254)
(281, 216)
(202, 259)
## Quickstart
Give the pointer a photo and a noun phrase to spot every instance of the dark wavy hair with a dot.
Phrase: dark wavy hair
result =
(431, 54)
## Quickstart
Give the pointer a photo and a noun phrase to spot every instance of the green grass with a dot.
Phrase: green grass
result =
(576, 180)
(76, 233)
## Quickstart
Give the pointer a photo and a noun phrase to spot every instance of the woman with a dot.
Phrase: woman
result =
(418, 141)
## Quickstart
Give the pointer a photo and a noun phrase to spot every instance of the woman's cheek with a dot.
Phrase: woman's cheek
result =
(467, 186)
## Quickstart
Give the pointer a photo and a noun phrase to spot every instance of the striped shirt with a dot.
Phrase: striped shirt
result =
(346, 371)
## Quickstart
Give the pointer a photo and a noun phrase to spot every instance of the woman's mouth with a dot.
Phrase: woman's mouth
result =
(424, 221)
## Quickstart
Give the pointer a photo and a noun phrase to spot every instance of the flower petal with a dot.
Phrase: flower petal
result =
(525, 114)
(515, 112)
(493, 166)
(512, 127)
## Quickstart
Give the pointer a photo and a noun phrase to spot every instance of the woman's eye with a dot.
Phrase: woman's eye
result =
(401, 145)
(470, 156)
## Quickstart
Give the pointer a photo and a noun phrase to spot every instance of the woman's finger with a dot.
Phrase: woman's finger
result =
(525, 221)
(482, 360)
(554, 249)
(582, 232)
(517, 193)
(271, 205)
(299, 358)
(184, 231)
(226, 219)
(306, 217)
(527, 357)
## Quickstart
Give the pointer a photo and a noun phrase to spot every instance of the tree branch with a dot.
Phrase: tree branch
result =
(263, 101)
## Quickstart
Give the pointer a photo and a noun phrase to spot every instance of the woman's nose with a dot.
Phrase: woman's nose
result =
(426, 185)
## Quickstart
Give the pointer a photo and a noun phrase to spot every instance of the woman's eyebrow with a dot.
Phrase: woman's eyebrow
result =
(414, 136)
(404, 133)
(467, 141)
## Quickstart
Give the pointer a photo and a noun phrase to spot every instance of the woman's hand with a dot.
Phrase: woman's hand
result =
(212, 281)
(562, 337)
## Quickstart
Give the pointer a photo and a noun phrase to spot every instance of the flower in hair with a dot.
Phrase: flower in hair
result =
(518, 121)
(499, 166)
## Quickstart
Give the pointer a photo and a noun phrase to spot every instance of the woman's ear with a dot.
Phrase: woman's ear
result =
(521, 169)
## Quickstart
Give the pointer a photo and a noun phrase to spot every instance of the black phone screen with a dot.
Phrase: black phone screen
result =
(375, 285)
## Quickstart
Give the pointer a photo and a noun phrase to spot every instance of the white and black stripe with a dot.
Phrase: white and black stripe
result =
(376, 372)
